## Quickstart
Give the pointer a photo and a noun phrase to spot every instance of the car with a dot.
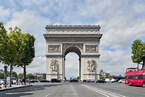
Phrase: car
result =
(100, 81)
(121, 81)
(55, 80)
(2, 81)
(107, 80)
(89, 81)
(44, 80)
(73, 80)
(113, 80)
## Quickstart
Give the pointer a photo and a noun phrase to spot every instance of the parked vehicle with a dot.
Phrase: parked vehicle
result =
(2, 81)
(73, 80)
(44, 80)
(113, 80)
(121, 81)
(135, 77)
(55, 80)
(100, 81)
(107, 80)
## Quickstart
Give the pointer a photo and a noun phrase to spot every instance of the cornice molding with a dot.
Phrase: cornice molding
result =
(73, 27)
(72, 35)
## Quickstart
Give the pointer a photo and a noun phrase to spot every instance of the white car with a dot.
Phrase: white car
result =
(121, 81)
(2, 81)
(107, 80)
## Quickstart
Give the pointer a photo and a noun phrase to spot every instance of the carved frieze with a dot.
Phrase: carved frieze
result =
(91, 48)
(54, 48)
(66, 45)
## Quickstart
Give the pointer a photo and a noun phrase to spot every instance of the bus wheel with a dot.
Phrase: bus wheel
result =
(143, 85)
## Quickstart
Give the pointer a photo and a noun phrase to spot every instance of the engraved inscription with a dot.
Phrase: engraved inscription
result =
(91, 48)
(54, 49)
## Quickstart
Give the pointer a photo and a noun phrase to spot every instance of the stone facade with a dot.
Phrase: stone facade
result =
(81, 39)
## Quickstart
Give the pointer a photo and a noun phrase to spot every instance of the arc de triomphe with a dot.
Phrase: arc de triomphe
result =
(84, 40)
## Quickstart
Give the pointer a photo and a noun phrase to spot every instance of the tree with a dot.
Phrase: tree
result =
(20, 76)
(7, 48)
(138, 52)
(1, 75)
(27, 52)
(16, 49)
(14, 75)
(30, 76)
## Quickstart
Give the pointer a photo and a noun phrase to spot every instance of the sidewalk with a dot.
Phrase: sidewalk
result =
(14, 87)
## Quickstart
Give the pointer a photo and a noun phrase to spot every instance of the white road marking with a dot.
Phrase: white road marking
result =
(104, 92)
(70, 92)
(50, 92)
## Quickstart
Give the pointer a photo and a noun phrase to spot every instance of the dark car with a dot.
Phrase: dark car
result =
(73, 80)
(55, 80)
(33, 81)
(44, 80)
(100, 81)
(88, 81)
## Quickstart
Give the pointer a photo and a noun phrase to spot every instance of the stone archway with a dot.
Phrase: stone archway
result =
(81, 39)
(76, 50)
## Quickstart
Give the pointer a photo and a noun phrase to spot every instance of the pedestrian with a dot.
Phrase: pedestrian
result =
(17, 81)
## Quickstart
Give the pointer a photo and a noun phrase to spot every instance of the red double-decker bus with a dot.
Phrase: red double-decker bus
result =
(135, 77)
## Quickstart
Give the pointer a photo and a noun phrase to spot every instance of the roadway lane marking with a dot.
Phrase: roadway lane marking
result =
(69, 91)
(103, 92)
(73, 90)
(51, 92)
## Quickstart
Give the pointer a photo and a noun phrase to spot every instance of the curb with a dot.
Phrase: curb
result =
(15, 87)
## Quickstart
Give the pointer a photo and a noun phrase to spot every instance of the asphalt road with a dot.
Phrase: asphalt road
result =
(76, 90)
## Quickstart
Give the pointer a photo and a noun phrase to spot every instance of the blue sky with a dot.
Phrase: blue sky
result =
(121, 21)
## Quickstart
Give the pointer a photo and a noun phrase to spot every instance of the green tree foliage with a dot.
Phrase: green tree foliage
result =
(1, 75)
(20, 75)
(14, 75)
(30, 76)
(138, 52)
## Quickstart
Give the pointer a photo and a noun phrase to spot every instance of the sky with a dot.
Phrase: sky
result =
(121, 21)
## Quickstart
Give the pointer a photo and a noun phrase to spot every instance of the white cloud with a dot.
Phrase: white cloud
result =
(29, 22)
(4, 13)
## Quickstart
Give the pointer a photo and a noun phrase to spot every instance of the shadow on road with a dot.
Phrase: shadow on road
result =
(19, 92)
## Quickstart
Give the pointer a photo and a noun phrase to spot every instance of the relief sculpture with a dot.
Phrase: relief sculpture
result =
(91, 65)
(54, 65)
(53, 48)
(91, 48)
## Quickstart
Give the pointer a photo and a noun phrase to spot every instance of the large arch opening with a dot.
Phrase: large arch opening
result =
(72, 63)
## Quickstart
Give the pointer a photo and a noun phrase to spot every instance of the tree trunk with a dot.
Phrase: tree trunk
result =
(143, 65)
(11, 67)
(24, 74)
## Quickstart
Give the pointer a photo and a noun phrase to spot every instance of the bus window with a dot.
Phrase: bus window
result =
(130, 77)
(143, 76)
(140, 77)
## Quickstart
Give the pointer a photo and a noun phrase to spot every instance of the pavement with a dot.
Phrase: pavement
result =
(14, 87)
